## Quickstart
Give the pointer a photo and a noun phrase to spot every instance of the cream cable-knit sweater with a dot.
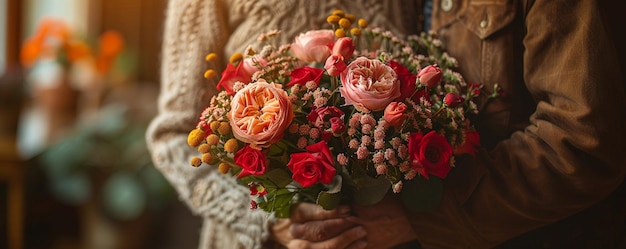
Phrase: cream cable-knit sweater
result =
(193, 28)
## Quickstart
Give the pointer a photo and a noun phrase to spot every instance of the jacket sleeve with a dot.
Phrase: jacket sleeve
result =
(571, 155)
(193, 28)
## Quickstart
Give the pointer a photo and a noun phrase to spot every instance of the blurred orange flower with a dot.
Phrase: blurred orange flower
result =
(111, 45)
(51, 33)
(53, 38)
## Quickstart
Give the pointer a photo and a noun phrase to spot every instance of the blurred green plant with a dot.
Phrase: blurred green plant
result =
(106, 160)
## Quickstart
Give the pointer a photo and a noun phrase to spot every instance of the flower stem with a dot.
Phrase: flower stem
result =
(438, 112)
(335, 89)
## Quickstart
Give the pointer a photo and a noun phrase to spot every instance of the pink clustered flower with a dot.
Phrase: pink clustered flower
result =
(378, 157)
(398, 187)
(342, 159)
(381, 169)
(314, 133)
(366, 140)
(362, 152)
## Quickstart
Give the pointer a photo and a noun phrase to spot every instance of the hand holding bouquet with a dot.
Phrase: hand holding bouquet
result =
(341, 115)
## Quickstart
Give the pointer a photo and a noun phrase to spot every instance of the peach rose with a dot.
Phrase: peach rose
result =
(260, 113)
(395, 114)
(313, 45)
(344, 47)
(369, 83)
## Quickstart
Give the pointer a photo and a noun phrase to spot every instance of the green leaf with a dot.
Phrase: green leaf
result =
(278, 202)
(421, 194)
(330, 199)
(369, 190)
(279, 176)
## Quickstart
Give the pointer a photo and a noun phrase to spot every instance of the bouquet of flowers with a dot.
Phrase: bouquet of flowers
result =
(340, 115)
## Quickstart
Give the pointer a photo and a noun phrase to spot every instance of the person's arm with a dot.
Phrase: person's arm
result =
(193, 28)
(570, 157)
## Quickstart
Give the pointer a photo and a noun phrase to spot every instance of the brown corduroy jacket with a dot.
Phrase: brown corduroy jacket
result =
(553, 168)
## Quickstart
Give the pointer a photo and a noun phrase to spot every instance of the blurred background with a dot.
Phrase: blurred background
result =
(79, 82)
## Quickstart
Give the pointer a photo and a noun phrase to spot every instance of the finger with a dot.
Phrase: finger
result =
(383, 219)
(304, 212)
(320, 230)
(303, 244)
(344, 239)
(359, 244)
(353, 239)
(356, 220)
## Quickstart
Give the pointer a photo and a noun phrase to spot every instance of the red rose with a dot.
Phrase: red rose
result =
(430, 76)
(453, 100)
(430, 154)
(305, 74)
(472, 142)
(231, 75)
(326, 136)
(313, 166)
(337, 125)
(474, 88)
(251, 160)
(407, 80)
(318, 116)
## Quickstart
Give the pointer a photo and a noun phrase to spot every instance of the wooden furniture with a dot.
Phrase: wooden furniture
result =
(12, 173)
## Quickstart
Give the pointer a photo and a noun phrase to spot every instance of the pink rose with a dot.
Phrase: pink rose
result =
(369, 83)
(313, 166)
(430, 76)
(430, 154)
(253, 64)
(344, 47)
(334, 65)
(471, 144)
(305, 74)
(312, 46)
(453, 100)
(231, 75)
(251, 160)
(395, 114)
(260, 113)
(318, 116)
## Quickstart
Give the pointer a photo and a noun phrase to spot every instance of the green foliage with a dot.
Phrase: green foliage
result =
(330, 199)
(368, 190)
(106, 161)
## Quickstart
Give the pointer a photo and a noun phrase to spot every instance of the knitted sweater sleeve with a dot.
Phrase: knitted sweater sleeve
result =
(192, 29)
